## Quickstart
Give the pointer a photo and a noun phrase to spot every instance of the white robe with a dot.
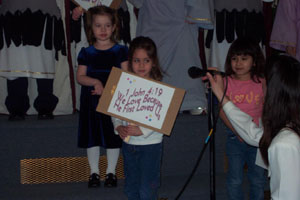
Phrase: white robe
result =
(283, 153)
(59, 70)
(218, 51)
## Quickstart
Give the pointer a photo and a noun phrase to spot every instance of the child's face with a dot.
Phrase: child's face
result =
(141, 63)
(102, 27)
(241, 65)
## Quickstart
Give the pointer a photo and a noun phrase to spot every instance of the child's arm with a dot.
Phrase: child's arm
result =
(139, 130)
(120, 129)
(228, 124)
(226, 121)
(217, 85)
(124, 65)
(129, 130)
(83, 79)
(134, 130)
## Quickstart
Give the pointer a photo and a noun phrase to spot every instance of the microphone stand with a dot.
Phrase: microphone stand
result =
(212, 157)
(211, 140)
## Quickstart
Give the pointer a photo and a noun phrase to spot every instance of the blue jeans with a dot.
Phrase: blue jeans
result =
(142, 170)
(238, 154)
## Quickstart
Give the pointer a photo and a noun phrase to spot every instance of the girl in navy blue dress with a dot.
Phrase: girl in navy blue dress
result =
(94, 65)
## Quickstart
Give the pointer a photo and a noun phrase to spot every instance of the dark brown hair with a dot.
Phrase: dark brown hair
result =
(281, 106)
(247, 46)
(101, 10)
(149, 46)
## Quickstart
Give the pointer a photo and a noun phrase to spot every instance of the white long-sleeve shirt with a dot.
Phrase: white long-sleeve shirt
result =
(284, 153)
(149, 136)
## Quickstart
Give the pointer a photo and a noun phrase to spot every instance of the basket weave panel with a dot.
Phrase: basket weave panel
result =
(62, 170)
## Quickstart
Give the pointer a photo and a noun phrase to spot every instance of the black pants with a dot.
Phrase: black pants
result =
(17, 100)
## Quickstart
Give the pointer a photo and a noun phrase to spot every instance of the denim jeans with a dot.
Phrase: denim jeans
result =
(142, 170)
(238, 154)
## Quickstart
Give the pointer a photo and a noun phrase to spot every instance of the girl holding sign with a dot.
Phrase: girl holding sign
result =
(94, 65)
(143, 150)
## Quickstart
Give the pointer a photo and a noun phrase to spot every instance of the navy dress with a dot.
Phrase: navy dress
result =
(96, 129)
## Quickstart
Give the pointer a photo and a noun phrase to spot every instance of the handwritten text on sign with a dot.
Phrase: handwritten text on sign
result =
(86, 4)
(141, 100)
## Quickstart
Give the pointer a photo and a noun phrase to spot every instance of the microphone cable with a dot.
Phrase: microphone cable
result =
(205, 145)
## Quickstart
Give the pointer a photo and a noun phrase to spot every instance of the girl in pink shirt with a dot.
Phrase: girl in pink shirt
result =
(244, 68)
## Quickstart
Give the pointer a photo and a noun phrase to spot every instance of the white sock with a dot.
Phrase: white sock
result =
(93, 155)
(112, 160)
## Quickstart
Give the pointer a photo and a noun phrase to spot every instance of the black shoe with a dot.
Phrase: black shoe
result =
(94, 181)
(16, 117)
(45, 116)
(110, 180)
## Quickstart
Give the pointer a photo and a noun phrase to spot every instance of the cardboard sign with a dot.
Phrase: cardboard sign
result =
(141, 101)
(86, 4)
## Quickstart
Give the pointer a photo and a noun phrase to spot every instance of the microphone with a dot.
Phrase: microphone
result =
(196, 72)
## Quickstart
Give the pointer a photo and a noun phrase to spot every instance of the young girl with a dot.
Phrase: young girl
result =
(95, 63)
(244, 68)
(142, 153)
(279, 138)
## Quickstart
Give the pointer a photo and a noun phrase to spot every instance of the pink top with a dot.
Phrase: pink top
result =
(247, 96)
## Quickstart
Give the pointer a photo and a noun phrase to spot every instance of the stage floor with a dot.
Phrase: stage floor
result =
(57, 138)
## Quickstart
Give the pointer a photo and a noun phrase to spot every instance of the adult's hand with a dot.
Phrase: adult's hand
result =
(76, 13)
(217, 86)
(291, 50)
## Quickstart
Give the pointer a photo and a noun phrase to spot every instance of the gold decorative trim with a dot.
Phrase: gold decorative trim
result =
(26, 71)
(199, 19)
(283, 43)
(62, 170)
